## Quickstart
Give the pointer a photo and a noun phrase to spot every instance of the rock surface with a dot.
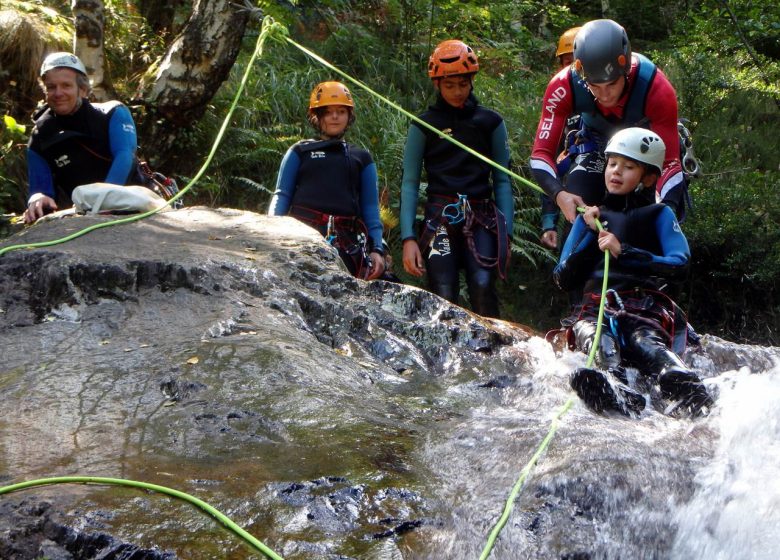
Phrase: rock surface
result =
(230, 356)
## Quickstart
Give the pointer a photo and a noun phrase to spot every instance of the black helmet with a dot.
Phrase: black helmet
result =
(602, 52)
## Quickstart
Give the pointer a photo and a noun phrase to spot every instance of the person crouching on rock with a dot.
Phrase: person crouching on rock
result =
(643, 327)
(331, 185)
(75, 142)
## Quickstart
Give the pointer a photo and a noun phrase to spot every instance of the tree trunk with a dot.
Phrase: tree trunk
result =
(196, 64)
(88, 45)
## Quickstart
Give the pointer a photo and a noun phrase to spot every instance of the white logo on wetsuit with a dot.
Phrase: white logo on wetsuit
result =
(317, 155)
(62, 161)
(127, 127)
(440, 245)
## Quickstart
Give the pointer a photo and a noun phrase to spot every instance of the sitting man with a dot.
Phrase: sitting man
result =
(75, 142)
(643, 327)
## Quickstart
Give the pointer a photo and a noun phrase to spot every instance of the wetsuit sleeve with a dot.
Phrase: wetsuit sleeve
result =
(502, 187)
(550, 213)
(123, 142)
(286, 182)
(661, 110)
(675, 253)
(557, 107)
(369, 205)
(39, 174)
(579, 256)
(410, 184)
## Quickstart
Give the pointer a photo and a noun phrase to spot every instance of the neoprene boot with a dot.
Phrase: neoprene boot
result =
(681, 384)
(600, 393)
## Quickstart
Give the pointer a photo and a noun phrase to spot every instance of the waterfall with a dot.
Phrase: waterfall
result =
(735, 510)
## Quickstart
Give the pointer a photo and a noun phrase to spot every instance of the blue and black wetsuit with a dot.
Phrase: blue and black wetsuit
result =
(654, 248)
(644, 328)
(451, 171)
(322, 181)
(97, 143)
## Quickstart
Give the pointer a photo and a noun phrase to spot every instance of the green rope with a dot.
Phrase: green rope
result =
(269, 27)
(416, 119)
(554, 424)
(215, 513)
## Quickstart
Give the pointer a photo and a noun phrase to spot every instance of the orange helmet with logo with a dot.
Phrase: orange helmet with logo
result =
(330, 93)
(452, 58)
(566, 42)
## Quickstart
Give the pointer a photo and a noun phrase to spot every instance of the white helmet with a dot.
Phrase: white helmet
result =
(639, 144)
(62, 60)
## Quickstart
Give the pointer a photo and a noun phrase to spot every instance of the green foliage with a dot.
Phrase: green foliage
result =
(12, 165)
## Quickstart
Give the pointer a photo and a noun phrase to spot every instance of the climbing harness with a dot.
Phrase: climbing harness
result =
(164, 186)
(449, 211)
(215, 513)
(348, 234)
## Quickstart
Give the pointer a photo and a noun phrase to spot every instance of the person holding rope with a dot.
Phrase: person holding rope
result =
(469, 205)
(643, 327)
(76, 142)
(550, 213)
(610, 88)
(331, 185)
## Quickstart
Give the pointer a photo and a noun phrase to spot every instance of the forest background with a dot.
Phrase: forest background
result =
(722, 57)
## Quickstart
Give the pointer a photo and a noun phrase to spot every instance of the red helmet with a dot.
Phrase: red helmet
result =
(452, 58)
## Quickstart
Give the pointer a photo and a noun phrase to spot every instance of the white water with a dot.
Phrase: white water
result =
(735, 511)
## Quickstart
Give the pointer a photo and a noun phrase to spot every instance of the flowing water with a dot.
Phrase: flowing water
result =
(339, 420)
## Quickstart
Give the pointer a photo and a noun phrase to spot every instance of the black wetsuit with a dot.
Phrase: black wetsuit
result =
(643, 327)
(451, 171)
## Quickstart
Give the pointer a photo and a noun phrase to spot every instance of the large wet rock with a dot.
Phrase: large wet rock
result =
(230, 356)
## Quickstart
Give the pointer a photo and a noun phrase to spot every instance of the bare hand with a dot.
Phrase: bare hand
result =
(568, 203)
(38, 206)
(413, 260)
(608, 242)
(377, 266)
(549, 239)
(591, 214)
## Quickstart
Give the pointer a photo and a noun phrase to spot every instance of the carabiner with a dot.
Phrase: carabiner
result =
(458, 210)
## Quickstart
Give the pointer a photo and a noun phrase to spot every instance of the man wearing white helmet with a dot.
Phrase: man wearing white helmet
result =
(643, 327)
(75, 142)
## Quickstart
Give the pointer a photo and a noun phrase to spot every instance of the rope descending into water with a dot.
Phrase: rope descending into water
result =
(554, 424)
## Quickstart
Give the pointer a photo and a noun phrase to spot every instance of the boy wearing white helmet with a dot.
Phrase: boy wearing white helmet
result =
(643, 327)
(75, 142)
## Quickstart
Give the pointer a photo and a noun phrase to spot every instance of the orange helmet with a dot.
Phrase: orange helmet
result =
(566, 42)
(330, 93)
(452, 58)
